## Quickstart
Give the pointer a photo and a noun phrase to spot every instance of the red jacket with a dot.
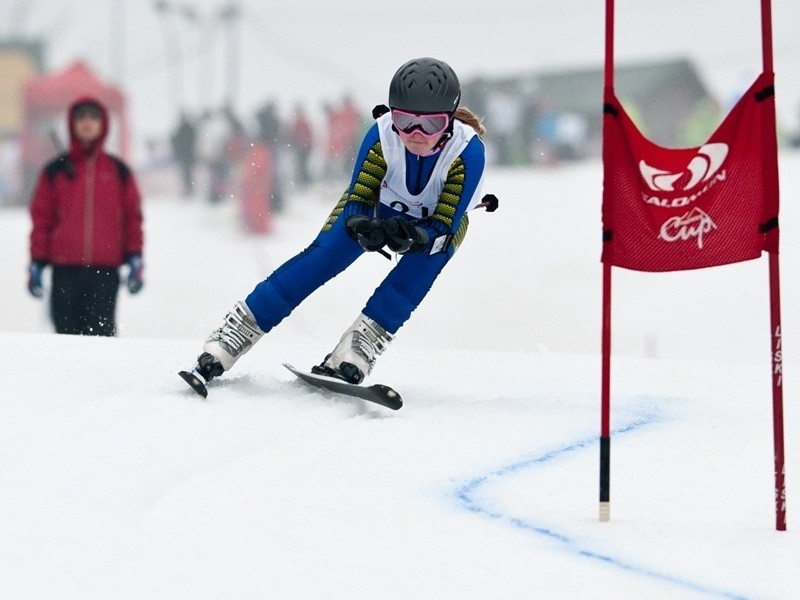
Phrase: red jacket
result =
(86, 208)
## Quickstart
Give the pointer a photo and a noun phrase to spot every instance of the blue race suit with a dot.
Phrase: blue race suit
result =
(334, 249)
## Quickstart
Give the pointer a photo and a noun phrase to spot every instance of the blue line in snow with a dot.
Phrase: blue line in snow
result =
(465, 495)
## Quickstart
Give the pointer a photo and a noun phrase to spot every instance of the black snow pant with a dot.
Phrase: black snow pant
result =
(84, 300)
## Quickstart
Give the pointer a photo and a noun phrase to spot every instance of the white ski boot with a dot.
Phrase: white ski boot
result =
(227, 343)
(355, 354)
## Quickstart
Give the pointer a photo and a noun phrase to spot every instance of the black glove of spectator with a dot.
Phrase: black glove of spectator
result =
(135, 280)
(35, 278)
(367, 232)
(402, 236)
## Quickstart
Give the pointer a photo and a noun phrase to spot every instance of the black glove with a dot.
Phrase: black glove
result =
(367, 232)
(35, 278)
(402, 236)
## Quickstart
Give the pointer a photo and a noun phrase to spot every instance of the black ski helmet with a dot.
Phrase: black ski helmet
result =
(425, 85)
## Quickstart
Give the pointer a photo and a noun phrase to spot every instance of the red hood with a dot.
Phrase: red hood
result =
(75, 147)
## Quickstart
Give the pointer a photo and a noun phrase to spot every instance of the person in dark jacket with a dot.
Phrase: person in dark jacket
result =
(184, 149)
(87, 222)
(302, 140)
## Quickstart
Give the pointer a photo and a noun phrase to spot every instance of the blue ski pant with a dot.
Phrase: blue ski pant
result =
(329, 254)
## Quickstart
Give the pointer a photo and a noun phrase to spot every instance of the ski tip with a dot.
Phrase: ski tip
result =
(197, 384)
(391, 399)
(377, 393)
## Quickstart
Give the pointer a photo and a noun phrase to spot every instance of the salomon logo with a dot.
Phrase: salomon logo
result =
(700, 169)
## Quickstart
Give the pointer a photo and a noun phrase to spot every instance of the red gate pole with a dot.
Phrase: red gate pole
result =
(605, 399)
(605, 392)
(776, 362)
(777, 390)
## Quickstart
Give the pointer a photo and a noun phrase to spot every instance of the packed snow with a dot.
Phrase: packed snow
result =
(119, 482)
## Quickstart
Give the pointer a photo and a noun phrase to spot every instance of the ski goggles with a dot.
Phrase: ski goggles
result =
(429, 125)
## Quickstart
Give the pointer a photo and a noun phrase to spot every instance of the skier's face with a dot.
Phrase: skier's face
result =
(419, 144)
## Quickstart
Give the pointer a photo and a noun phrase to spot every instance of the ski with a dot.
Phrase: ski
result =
(376, 393)
(195, 381)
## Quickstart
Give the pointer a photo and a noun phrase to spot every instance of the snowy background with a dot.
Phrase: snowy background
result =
(119, 482)
(316, 51)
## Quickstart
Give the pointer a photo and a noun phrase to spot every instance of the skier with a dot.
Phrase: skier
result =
(418, 172)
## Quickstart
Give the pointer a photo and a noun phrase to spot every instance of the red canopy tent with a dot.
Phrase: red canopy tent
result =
(46, 101)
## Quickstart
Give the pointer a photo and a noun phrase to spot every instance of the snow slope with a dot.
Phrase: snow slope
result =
(118, 482)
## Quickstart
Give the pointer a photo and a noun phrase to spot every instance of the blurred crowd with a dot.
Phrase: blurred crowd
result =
(210, 149)
(307, 146)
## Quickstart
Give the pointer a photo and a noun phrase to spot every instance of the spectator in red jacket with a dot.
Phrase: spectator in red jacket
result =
(87, 222)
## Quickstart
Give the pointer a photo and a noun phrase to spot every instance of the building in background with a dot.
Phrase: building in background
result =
(20, 62)
(561, 111)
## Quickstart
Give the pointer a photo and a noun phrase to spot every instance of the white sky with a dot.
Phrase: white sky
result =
(316, 50)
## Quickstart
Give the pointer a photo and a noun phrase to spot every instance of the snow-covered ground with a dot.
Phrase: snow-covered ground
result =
(118, 482)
